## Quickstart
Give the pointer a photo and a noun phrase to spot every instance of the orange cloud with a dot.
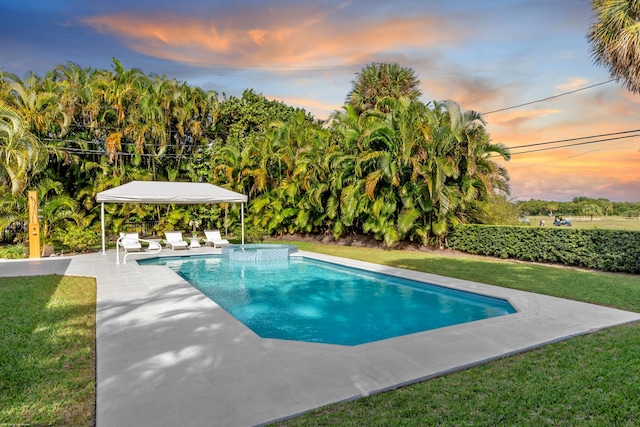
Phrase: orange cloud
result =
(573, 84)
(165, 32)
(271, 38)
(320, 110)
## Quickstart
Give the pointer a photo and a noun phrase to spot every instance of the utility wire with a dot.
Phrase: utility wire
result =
(574, 139)
(549, 97)
(123, 153)
(191, 154)
(576, 144)
(564, 158)
(172, 143)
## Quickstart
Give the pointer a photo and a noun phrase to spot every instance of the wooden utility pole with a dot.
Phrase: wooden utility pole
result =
(34, 226)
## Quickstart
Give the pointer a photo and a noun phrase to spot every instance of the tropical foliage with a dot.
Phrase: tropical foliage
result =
(615, 39)
(386, 164)
(21, 153)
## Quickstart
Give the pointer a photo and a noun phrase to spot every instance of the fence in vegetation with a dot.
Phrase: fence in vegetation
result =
(145, 229)
(607, 250)
(8, 234)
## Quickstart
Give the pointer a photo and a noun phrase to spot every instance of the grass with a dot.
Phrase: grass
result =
(587, 381)
(591, 380)
(600, 222)
(47, 351)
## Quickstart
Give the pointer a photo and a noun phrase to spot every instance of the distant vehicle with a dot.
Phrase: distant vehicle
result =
(560, 221)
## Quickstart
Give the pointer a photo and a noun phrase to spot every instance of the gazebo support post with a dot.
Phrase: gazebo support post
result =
(104, 251)
(242, 220)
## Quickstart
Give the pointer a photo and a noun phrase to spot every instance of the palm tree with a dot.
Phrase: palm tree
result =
(607, 207)
(57, 208)
(119, 92)
(615, 40)
(481, 177)
(381, 80)
(592, 209)
(38, 103)
(376, 172)
(78, 93)
(21, 153)
(145, 123)
(13, 209)
(299, 148)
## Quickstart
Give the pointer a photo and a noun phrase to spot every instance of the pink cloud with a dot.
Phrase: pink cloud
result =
(299, 36)
(573, 84)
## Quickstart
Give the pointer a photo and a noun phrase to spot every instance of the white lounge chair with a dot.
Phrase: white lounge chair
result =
(214, 238)
(174, 240)
(130, 243)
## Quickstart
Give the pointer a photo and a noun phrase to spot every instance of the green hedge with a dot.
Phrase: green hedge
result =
(607, 250)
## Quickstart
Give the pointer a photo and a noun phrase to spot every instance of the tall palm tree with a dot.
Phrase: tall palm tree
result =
(77, 93)
(144, 126)
(381, 80)
(481, 176)
(119, 91)
(615, 39)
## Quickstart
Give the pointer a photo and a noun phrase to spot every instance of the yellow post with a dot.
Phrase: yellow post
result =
(34, 226)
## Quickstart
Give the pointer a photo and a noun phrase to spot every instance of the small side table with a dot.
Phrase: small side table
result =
(194, 242)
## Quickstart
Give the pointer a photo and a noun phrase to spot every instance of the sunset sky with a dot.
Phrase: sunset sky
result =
(485, 55)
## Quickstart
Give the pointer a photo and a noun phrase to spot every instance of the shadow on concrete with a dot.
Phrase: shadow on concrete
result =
(34, 267)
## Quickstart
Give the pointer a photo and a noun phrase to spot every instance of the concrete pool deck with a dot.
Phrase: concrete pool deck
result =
(169, 356)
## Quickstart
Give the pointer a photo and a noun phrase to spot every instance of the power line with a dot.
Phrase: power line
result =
(577, 144)
(124, 153)
(549, 97)
(574, 139)
(191, 154)
(562, 159)
(132, 144)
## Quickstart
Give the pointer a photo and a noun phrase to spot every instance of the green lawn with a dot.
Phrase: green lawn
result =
(591, 380)
(47, 351)
(601, 222)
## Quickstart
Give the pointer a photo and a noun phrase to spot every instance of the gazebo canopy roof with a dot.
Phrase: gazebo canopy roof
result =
(164, 192)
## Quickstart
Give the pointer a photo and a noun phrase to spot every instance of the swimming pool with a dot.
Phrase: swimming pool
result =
(315, 301)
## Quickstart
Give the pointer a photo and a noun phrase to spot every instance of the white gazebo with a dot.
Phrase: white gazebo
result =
(163, 192)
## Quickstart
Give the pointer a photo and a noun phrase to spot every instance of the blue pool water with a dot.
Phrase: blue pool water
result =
(307, 300)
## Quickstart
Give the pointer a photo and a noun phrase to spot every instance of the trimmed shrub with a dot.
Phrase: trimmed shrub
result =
(607, 250)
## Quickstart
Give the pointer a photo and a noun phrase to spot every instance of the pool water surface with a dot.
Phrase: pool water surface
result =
(314, 301)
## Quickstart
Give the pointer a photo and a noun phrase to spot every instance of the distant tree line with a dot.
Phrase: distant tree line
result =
(584, 206)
